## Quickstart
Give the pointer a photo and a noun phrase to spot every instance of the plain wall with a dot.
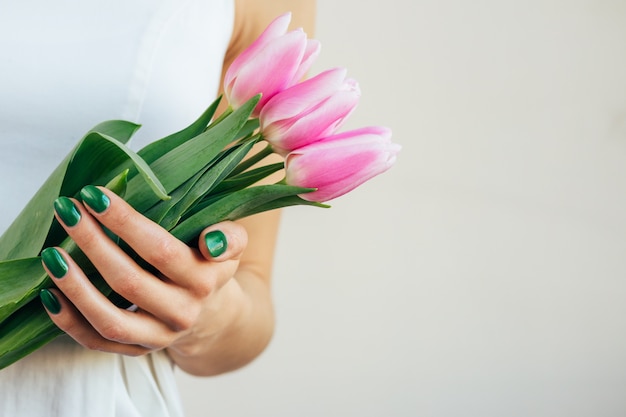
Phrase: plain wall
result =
(485, 274)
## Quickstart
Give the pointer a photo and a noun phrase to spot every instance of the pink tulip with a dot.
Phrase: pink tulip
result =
(276, 60)
(308, 111)
(337, 164)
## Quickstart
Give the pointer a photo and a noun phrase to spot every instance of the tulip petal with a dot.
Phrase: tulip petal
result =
(296, 99)
(338, 164)
(341, 174)
(311, 53)
(317, 124)
(271, 71)
(275, 29)
(382, 134)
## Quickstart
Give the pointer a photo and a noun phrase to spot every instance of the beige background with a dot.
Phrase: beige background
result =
(485, 275)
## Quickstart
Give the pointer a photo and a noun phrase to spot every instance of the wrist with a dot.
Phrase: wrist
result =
(243, 335)
(222, 312)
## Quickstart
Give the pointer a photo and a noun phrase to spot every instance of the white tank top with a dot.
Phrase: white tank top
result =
(64, 67)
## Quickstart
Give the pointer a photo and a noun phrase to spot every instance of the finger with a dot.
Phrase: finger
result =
(152, 243)
(120, 271)
(222, 245)
(111, 322)
(223, 241)
(69, 319)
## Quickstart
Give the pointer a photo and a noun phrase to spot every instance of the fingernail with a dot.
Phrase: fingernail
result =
(67, 211)
(95, 198)
(216, 243)
(49, 301)
(55, 263)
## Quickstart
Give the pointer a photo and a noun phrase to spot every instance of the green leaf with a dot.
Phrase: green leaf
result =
(184, 161)
(99, 157)
(122, 130)
(247, 178)
(254, 159)
(234, 206)
(206, 183)
(292, 200)
(119, 183)
(20, 281)
(26, 235)
(232, 184)
(157, 212)
(157, 149)
(248, 129)
(24, 332)
(97, 160)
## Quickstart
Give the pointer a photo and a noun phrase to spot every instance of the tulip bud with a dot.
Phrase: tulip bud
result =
(276, 60)
(337, 164)
(308, 111)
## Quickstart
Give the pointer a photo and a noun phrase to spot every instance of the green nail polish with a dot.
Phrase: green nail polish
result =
(49, 300)
(95, 198)
(67, 211)
(216, 243)
(55, 263)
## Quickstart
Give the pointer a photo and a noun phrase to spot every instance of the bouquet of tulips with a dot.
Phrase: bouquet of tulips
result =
(203, 174)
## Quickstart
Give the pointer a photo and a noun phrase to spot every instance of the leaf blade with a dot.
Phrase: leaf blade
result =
(184, 161)
(232, 207)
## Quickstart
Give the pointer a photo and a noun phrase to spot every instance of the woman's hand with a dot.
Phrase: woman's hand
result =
(180, 307)
(213, 314)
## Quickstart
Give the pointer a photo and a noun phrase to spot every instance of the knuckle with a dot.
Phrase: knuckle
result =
(114, 330)
(130, 285)
(70, 327)
(165, 252)
(120, 220)
(181, 323)
(203, 288)
(92, 344)
(88, 239)
(84, 338)
(186, 318)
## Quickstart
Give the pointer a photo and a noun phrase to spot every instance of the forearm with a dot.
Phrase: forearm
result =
(242, 311)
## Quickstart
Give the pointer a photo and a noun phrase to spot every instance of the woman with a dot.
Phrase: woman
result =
(67, 66)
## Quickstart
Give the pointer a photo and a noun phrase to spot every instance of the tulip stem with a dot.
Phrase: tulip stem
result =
(249, 162)
(222, 116)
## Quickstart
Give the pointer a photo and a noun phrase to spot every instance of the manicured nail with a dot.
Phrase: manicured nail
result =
(216, 243)
(49, 301)
(67, 211)
(55, 263)
(95, 198)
